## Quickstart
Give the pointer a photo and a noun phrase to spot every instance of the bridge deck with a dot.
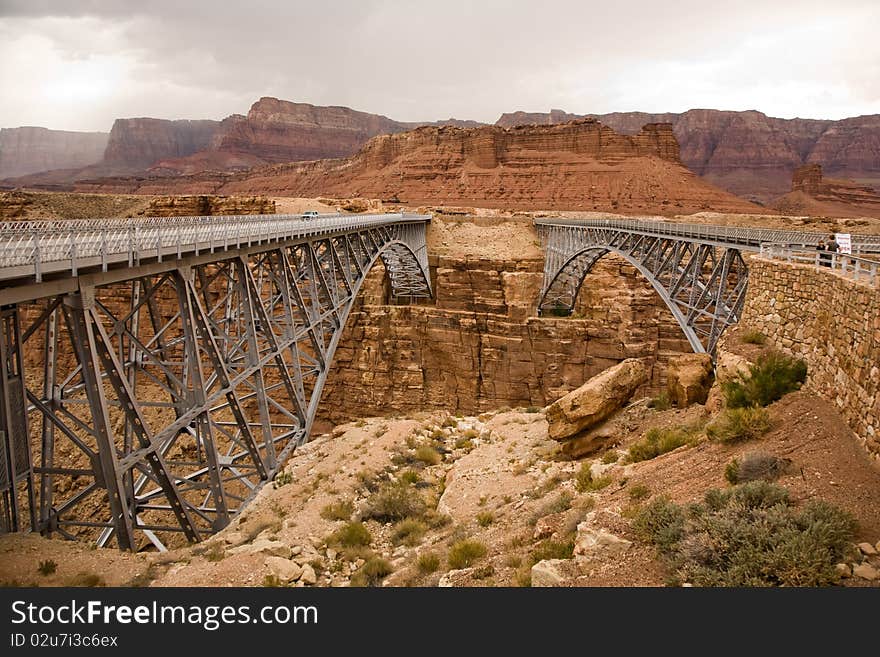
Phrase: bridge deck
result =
(33, 249)
(743, 238)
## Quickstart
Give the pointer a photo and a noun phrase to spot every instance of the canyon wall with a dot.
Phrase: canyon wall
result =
(582, 165)
(750, 153)
(831, 322)
(814, 194)
(480, 345)
(138, 143)
(30, 149)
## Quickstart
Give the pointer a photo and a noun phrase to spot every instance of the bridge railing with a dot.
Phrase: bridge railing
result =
(858, 269)
(739, 235)
(37, 245)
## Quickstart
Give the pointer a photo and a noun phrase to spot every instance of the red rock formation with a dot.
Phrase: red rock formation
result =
(812, 193)
(29, 149)
(749, 153)
(579, 165)
(138, 143)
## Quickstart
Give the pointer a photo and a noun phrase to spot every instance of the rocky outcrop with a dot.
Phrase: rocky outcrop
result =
(138, 143)
(30, 149)
(481, 347)
(277, 131)
(688, 379)
(595, 401)
(580, 165)
(812, 193)
(750, 153)
(201, 205)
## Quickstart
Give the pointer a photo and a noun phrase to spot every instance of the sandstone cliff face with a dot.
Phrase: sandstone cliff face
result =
(812, 193)
(138, 143)
(749, 153)
(481, 347)
(579, 165)
(31, 149)
(203, 205)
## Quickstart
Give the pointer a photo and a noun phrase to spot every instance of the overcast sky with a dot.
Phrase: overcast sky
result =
(78, 64)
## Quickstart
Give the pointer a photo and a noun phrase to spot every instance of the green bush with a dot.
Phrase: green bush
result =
(338, 511)
(409, 532)
(611, 456)
(584, 481)
(47, 567)
(749, 535)
(395, 501)
(772, 376)
(372, 572)
(659, 441)
(735, 425)
(753, 336)
(550, 549)
(485, 518)
(428, 455)
(754, 466)
(464, 553)
(428, 562)
(638, 492)
(352, 534)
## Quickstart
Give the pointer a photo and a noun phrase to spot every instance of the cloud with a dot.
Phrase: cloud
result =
(79, 65)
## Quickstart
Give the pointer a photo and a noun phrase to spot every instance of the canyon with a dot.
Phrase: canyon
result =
(814, 194)
(582, 165)
(749, 153)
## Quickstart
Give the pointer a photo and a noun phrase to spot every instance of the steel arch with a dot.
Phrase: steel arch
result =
(702, 284)
(169, 393)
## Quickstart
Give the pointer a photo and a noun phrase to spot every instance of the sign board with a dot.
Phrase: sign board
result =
(844, 242)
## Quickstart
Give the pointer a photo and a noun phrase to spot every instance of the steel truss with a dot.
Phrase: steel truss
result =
(703, 284)
(165, 399)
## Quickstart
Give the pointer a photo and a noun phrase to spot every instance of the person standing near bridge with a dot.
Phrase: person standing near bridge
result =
(822, 248)
(833, 247)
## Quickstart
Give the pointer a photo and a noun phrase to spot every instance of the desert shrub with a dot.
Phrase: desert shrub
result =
(282, 479)
(372, 572)
(449, 422)
(638, 492)
(770, 377)
(584, 481)
(395, 501)
(428, 455)
(611, 456)
(523, 577)
(352, 534)
(754, 466)
(533, 409)
(513, 561)
(90, 580)
(428, 562)
(272, 582)
(556, 505)
(749, 535)
(551, 549)
(753, 336)
(735, 425)
(465, 552)
(485, 518)
(659, 441)
(47, 567)
(410, 477)
(661, 402)
(464, 443)
(409, 532)
(338, 510)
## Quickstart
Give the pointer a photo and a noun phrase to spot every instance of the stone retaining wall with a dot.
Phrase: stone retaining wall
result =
(831, 322)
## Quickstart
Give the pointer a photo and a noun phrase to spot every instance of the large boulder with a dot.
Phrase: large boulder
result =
(688, 379)
(596, 400)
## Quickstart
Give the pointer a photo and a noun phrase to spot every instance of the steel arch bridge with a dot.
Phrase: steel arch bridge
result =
(698, 270)
(156, 373)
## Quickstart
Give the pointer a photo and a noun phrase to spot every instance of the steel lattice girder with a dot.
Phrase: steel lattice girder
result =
(703, 285)
(173, 397)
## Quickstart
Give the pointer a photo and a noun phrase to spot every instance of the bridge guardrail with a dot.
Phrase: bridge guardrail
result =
(850, 266)
(37, 244)
(739, 235)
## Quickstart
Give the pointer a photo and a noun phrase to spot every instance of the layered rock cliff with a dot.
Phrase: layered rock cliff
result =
(750, 153)
(282, 131)
(30, 149)
(812, 193)
(138, 143)
(580, 165)
(481, 346)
